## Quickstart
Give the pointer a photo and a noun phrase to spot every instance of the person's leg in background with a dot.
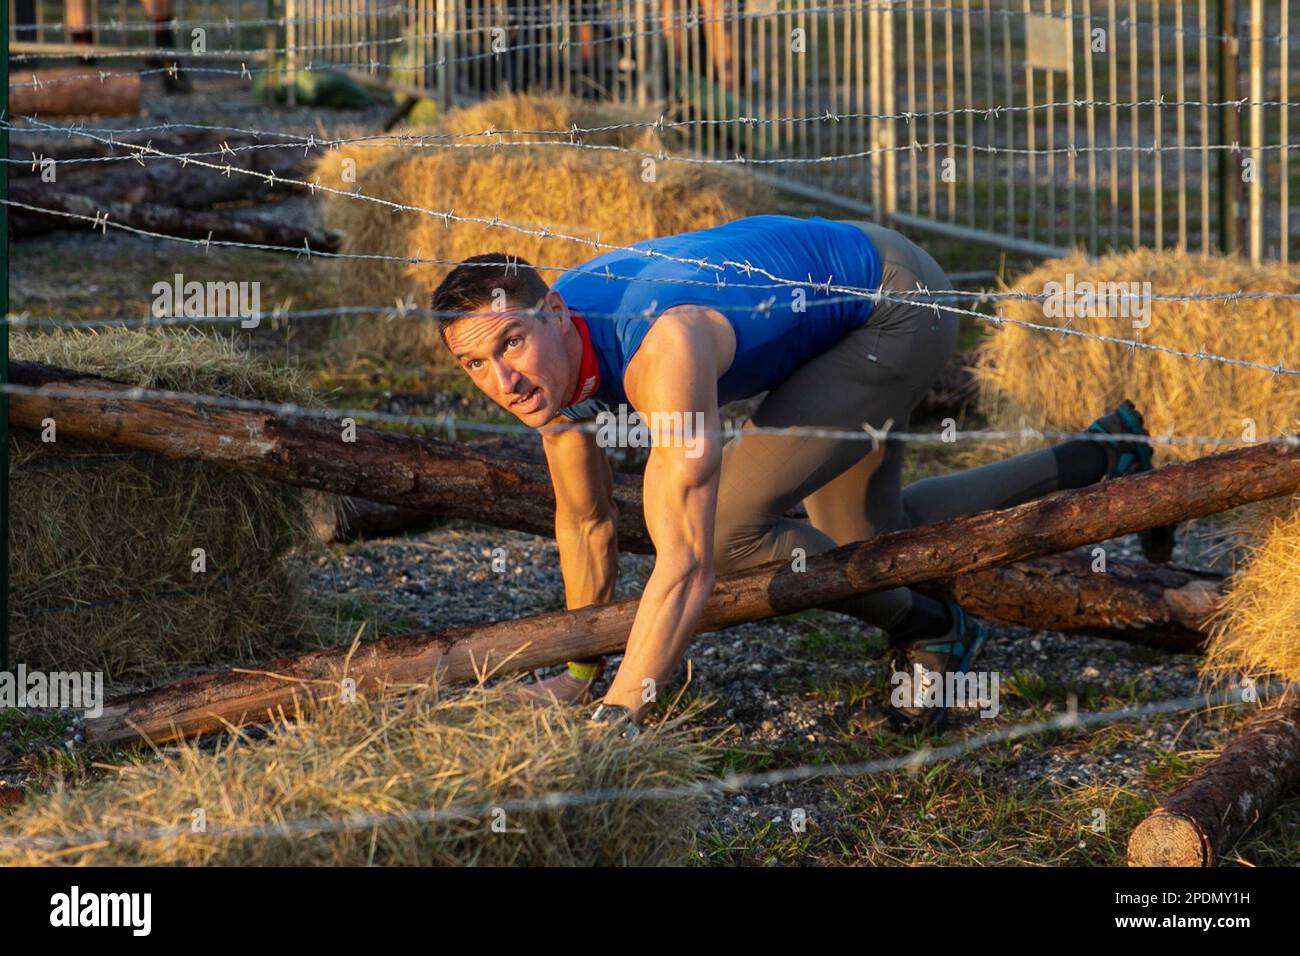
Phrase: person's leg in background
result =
(160, 12)
(79, 17)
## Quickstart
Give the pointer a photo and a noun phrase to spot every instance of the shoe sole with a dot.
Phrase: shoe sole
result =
(932, 719)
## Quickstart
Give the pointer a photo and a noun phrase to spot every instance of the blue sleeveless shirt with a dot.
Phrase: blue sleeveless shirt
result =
(778, 326)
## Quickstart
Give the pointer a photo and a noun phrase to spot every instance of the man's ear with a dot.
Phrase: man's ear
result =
(556, 304)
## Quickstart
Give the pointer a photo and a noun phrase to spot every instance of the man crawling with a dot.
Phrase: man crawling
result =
(674, 327)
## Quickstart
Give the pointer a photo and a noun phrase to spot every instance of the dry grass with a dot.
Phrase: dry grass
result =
(103, 537)
(1064, 382)
(599, 195)
(396, 754)
(1256, 632)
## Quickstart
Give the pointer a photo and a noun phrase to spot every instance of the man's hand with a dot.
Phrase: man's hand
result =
(672, 382)
(563, 688)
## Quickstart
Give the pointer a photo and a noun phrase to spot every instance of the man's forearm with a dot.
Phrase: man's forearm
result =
(588, 560)
(666, 619)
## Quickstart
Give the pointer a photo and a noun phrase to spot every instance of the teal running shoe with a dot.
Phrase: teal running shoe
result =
(1131, 458)
(916, 704)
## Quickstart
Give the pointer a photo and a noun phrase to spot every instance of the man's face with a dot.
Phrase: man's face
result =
(517, 359)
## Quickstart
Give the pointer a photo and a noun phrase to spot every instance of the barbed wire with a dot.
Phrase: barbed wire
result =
(439, 63)
(399, 139)
(546, 17)
(422, 141)
(115, 25)
(453, 424)
(410, 311)
(746, 268)
(912, 6)
(372, 66)
(662, 155)
(876, 295)
(732, 782)
(686, 22)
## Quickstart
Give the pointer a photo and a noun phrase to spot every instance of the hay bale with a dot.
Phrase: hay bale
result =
(599, 195)
(1256, 631)
(103, 537)
(1064, 382)
(395, 754)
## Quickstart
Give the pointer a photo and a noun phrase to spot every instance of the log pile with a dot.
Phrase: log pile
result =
(161, 195)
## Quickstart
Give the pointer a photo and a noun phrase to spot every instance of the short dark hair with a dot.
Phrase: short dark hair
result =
(473, 283)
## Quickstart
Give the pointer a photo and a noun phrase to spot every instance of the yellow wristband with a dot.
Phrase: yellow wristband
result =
(584, 671)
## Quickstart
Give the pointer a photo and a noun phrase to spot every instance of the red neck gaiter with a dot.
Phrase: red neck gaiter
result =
(589, 370)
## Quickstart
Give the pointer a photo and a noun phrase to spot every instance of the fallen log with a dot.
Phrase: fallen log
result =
(1206, 816)
(170, 220)
(73, 91)
(411, 478)
(161, 181)
(422, 474)
(1154, 605)
(1055, 523)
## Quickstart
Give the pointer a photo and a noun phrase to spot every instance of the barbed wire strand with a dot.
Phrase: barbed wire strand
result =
(398, 139)
(745, 268)
(397, 10)
(447, 420)
(442, 61)
(876, 295)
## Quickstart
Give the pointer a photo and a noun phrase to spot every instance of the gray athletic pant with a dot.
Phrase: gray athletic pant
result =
(872, 375)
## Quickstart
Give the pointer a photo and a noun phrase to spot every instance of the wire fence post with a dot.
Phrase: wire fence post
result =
(291, 81)
(1255, 194)
(272, 84)
(888, 143)
(446, 19)
(875, 96)
(1229, 130)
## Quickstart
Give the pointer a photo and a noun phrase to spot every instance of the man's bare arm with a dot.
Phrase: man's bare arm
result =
(677, 371)
(586, 517)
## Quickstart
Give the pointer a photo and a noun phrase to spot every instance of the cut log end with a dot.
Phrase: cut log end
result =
(1169, 839)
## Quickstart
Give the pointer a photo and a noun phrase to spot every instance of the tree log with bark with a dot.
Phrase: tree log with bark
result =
(73, 91)
(1205, 817)
(1154, 605)
(261, 229)
(165, 195)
